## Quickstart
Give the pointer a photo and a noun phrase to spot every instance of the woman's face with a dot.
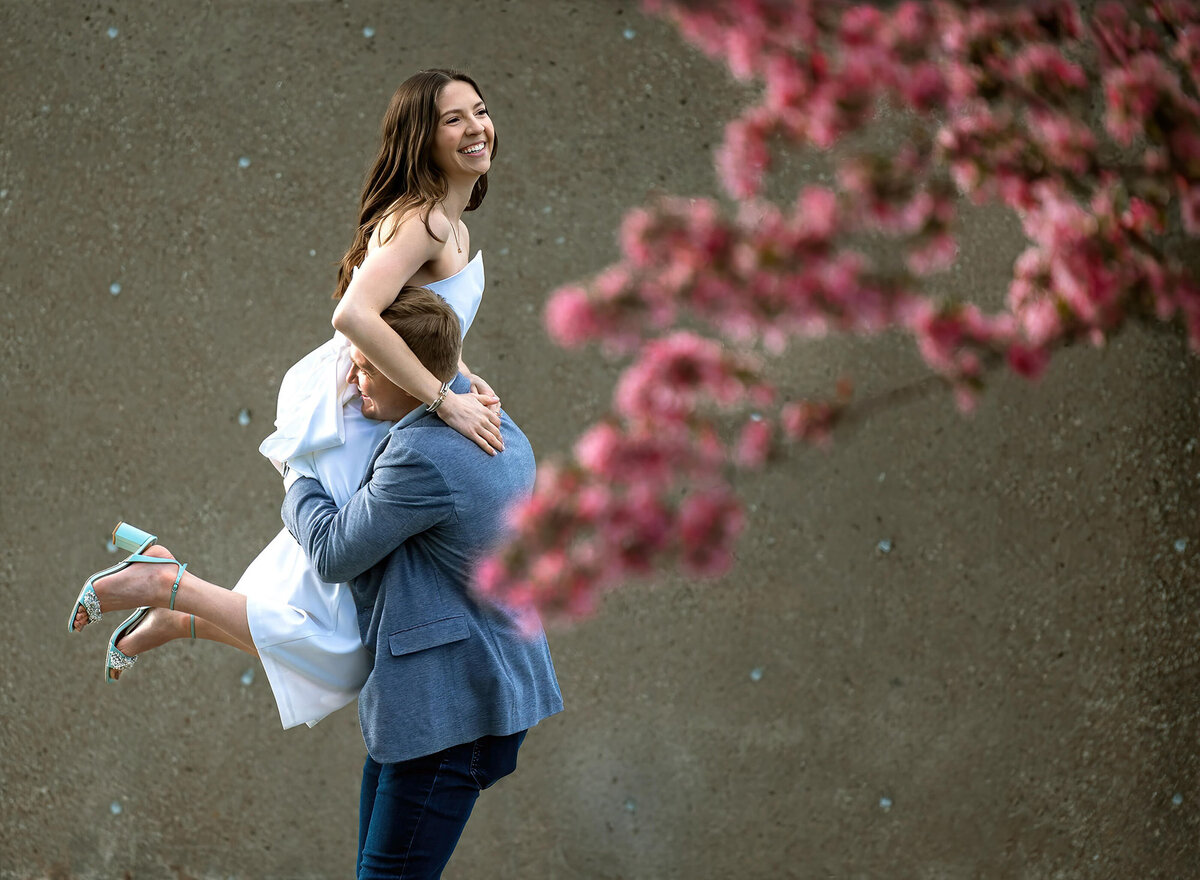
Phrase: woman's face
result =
(463, 142)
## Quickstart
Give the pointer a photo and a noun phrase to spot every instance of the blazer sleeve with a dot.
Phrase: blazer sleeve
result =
(405, 496)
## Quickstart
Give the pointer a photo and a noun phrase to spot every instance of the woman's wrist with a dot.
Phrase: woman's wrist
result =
(434, 405)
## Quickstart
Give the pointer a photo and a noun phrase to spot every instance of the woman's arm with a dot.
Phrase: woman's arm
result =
(382, 274)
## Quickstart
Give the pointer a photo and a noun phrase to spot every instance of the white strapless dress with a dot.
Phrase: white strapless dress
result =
(305, 630)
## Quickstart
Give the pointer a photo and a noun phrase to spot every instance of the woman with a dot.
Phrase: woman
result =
(438, 141)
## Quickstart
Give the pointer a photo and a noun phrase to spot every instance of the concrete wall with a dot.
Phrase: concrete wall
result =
(1010, 692)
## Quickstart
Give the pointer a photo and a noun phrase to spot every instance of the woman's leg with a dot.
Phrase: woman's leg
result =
(209, 631)
(224, 609)
(162, 625)
(150, 584)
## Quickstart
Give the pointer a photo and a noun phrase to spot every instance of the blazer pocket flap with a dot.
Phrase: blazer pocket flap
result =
(429, 635)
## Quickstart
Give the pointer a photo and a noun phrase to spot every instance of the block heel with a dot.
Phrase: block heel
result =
(131, 538)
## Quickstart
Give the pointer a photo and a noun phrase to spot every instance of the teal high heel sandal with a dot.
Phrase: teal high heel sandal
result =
(117, 660)
(130, 538)
(126, 537)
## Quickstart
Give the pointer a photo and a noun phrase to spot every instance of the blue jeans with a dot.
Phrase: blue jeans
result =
(411, 814)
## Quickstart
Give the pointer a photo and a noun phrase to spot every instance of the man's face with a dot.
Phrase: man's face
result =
(381, 398)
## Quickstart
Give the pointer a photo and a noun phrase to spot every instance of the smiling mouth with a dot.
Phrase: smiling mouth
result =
(474, 149)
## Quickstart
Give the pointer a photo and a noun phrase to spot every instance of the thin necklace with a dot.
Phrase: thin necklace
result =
(453, 228)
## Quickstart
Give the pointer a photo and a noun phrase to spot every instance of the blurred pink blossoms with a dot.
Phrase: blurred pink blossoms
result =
(1004, 98)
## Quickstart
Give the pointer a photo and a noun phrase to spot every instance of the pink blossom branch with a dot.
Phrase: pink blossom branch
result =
(1003, 116)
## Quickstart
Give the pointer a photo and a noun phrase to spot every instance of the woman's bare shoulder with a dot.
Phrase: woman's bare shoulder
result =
(411, 223)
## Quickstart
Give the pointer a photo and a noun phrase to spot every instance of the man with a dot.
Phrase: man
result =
(455, 683)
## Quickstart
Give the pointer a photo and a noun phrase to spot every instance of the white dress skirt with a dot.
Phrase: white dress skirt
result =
(306, 630)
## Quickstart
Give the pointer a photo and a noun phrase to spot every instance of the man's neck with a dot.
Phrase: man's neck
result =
(415, 413)
(410, 407)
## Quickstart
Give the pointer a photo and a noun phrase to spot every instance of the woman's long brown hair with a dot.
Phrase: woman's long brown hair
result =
(404, 175)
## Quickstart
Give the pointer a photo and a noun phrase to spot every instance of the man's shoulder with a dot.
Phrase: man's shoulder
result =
(428, 443)
(427, 437)
(403, 444)
(431, 442)
(407, 457)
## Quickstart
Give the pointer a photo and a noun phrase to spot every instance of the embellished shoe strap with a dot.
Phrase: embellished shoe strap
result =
(120, 661)
(175, 589)
(91, 603)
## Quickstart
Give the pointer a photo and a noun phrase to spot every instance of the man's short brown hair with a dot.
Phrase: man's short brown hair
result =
(429, 327)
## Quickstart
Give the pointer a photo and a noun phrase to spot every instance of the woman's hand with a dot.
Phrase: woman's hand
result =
(471, 415)
(480, 386)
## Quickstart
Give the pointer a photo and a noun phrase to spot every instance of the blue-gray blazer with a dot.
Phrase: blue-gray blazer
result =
(448, 669)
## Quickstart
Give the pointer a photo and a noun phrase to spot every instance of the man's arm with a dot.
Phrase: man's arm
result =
(405, 496)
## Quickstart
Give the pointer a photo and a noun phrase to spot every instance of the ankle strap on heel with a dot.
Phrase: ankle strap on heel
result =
(163, 560)
(175, 590)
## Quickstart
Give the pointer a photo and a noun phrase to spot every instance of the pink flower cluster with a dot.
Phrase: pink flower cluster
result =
(1001, 100)
(630, 500)
(898, 195)
(683, 374)
(760, 277)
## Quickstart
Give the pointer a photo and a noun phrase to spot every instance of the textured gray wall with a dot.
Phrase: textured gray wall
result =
(1017, 677)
